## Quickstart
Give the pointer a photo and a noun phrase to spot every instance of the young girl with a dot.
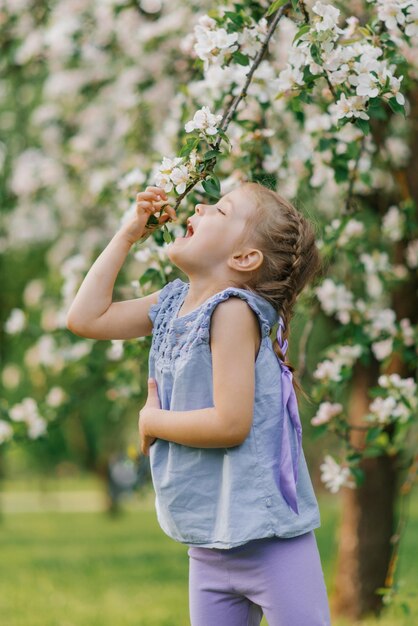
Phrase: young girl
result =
(221, 422)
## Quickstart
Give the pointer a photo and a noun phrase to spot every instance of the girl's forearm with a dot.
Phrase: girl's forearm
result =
(95, 293)
(200, 428)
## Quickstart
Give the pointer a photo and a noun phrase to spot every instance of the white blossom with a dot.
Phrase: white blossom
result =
(16, 322)
(393, 224)
(56, 396)
(375, 262)
(334, 475)
(204, 121)
(328, 17)
(399, 403)
(134, 177)
(353, 228)
(328, 370)
(407, 331)
(27, 412)
(180, 177)
(6, 431)
(353, 106)
(411, 28)
(326, 411)
(411, 253)
(379, 321)
(382, 409)
(335, 299)
(211, 42)
(115, 352)
(382, 349)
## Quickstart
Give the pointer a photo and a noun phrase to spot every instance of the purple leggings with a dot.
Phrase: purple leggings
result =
(279, 577)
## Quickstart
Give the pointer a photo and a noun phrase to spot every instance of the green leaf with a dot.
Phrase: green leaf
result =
(302, 30)
(210, 154)
(152, 221)
(354, 456)
(358, 474)
(363, 125)
(148, 275)
(373, 451)
(166, 234)
(340, 174)
(373, 433)
(224, 136)
(216, 182)
(315, 53)
(191, 143)
(295, 5)
(396, 107)
(211, 187)
(234, 17)
(321, 429)
(275, 6)
(240, 58)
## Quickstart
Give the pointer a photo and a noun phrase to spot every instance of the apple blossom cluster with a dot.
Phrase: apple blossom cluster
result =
(204, 121)
(393, 224)
(180, 171)
(335, 300)
(342, 356)
(356, 71)
(326, 411)
(172, 172)
(212, 43)
(334, 475)
(399, 403)
(398, 15)
(27, 413)
(6, 431)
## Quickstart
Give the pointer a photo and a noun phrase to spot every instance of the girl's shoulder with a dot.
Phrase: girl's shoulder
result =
(265, 311)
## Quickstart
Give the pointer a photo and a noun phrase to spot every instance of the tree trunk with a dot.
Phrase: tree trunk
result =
(368, 520)
(368, 512)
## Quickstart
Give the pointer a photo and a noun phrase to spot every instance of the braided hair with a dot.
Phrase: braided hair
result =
(291, 257)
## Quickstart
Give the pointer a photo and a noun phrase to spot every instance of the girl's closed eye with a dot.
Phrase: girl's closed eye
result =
(220, 211)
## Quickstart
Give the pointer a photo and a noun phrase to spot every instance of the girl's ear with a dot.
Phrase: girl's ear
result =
(247, 260)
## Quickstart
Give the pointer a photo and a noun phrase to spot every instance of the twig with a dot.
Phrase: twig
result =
(233, 106)
(227, 116)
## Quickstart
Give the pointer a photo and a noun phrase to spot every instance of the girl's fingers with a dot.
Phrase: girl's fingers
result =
(158, 195)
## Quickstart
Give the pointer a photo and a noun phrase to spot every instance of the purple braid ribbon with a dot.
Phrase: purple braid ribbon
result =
(288, 467)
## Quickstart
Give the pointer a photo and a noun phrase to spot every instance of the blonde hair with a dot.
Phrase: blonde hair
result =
(291, 258)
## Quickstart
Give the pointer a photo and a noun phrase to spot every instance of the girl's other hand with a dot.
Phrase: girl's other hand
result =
(145, 416)
(148, 202)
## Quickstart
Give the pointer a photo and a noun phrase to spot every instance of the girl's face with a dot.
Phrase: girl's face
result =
(217, 229)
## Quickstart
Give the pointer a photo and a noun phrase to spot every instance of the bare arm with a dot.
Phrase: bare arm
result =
(92, 313)
(235, 338)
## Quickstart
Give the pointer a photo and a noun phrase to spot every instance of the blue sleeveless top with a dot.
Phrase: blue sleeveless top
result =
(221, 497)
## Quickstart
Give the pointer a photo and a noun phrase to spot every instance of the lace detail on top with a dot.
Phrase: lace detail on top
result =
(174, 336)
(174, 287)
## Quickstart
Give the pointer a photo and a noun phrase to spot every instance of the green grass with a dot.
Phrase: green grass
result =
(88, 569)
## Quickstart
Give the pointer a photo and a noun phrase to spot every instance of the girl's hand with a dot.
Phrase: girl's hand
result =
(148, 202)
(145, 415)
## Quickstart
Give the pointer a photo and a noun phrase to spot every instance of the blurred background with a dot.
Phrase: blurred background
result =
(92, 97)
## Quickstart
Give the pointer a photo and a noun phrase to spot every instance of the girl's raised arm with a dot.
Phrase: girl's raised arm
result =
(92, 313)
